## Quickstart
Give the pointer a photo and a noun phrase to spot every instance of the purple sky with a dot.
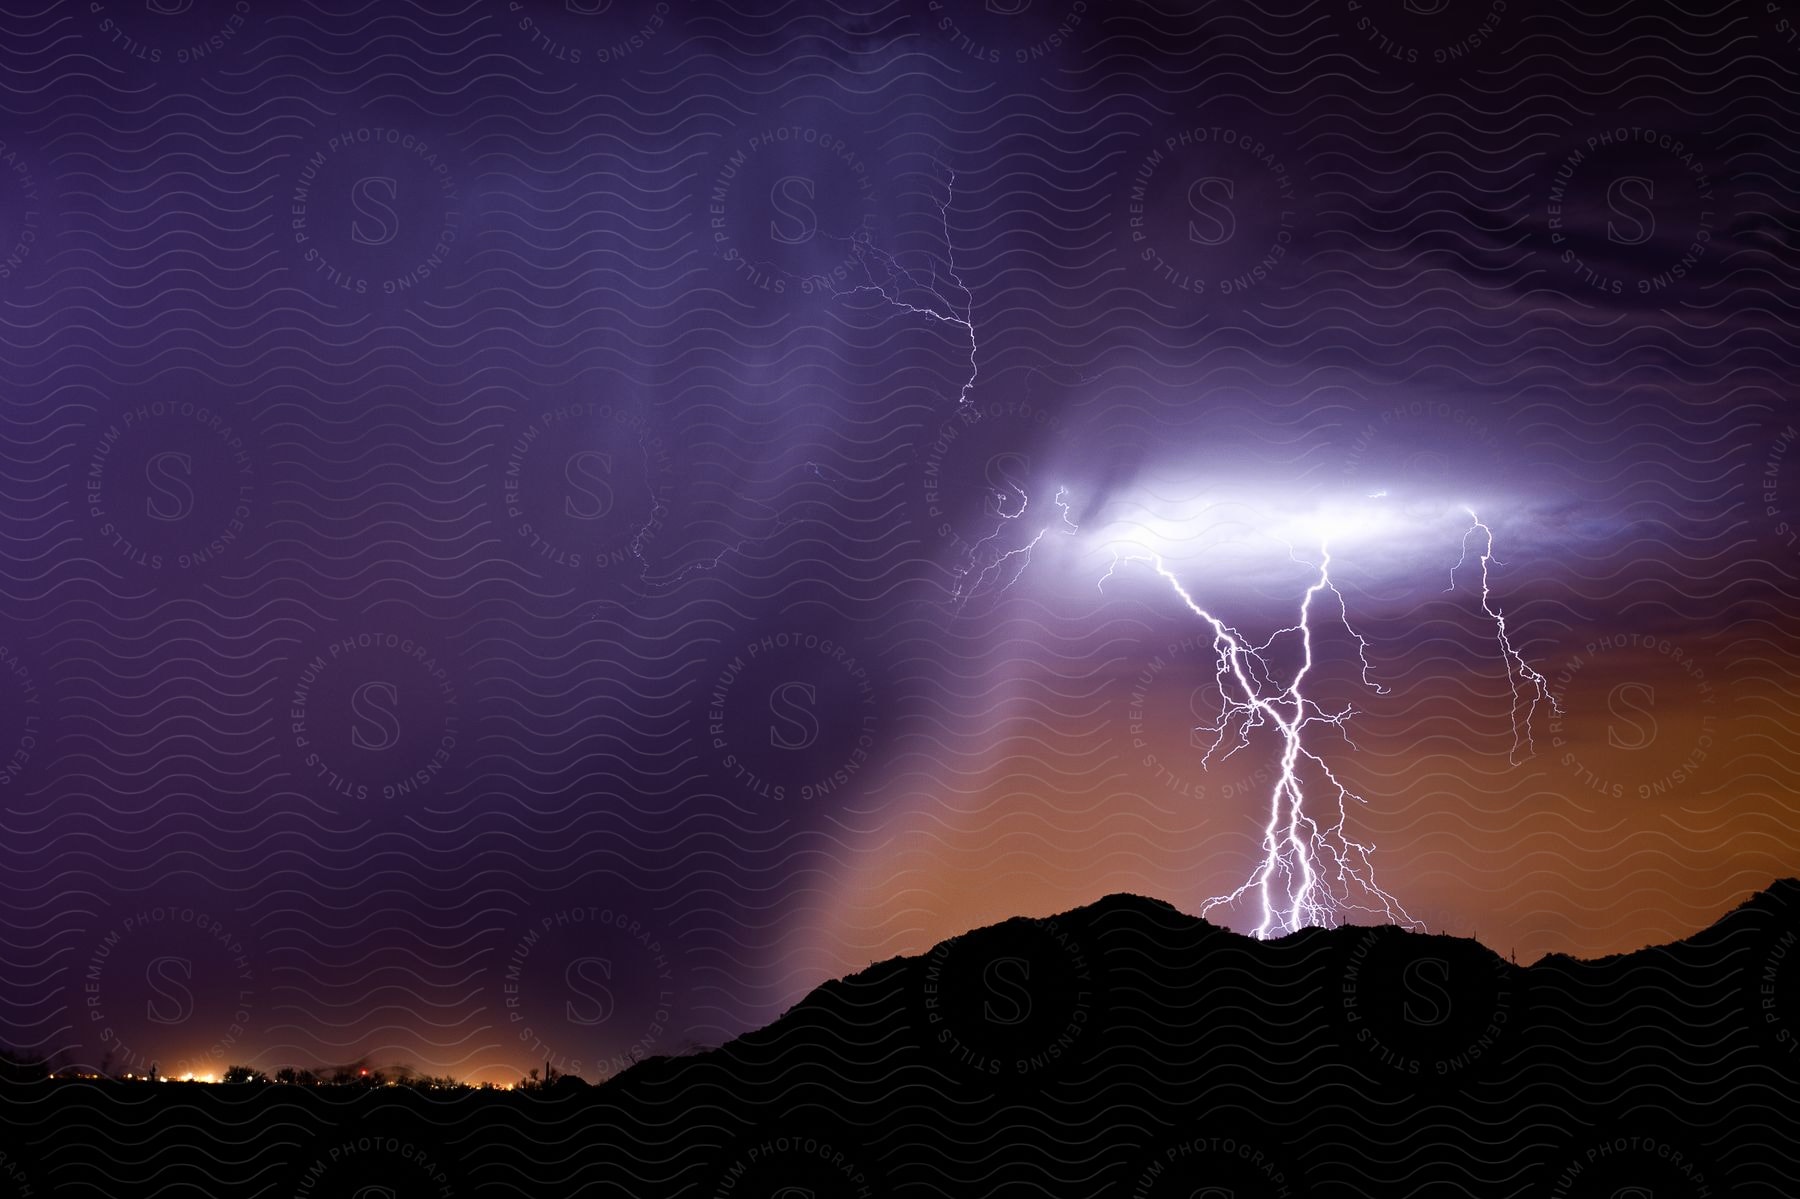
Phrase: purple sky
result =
(515, 513)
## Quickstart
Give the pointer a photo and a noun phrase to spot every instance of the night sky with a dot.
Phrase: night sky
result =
(545, 531)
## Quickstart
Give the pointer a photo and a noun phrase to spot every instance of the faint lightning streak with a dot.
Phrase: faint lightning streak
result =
(717, 560)
(967, 588)
(1518, 671)
(782, 524)
(944, 308)
(866, 253)
(964, 319)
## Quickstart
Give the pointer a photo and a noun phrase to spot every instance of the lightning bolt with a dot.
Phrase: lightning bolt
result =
(887, 279)
(1519, 673)
(891, 281)
(941, 307)
(718, 559)
(782, 523)
(968, 587)
(1312, 871)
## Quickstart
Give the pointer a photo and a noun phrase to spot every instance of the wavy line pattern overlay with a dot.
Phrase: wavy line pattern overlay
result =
(536, 533)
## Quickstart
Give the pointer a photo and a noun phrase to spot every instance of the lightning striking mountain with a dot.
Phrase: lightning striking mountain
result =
(1320, 872)
(1312, 870)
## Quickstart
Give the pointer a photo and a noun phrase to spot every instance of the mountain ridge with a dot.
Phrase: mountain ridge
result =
(1414, 1061)
(1780, 898)
(1119, 1048)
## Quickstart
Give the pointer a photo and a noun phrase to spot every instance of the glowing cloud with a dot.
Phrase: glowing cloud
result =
(1312, 871)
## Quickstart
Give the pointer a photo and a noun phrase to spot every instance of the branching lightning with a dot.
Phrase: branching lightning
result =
(1312, 871)
(890, 280)
(969, 581)
(1519, 673)
(943, 308)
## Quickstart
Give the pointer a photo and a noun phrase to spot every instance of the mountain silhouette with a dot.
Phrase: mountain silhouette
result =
(1120, 1049)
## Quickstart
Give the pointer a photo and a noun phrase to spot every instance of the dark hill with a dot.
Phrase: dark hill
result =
(1120, 1049)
